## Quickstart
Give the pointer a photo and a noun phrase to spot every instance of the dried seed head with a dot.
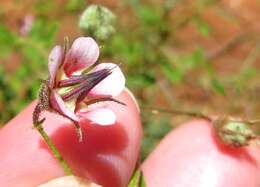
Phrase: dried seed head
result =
(234, 132)
(44, 94)
(98, 21)
(43, 102)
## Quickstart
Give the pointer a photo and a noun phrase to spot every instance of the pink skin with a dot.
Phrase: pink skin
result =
(192, 156)
(107, 154)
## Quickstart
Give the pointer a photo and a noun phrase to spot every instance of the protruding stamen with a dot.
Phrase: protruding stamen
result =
(103, 99)
(81, 91)
(76, 79)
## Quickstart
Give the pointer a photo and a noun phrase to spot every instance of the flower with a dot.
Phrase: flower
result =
(26, 25)
(77, 82)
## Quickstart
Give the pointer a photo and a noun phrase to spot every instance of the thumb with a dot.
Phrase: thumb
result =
(107, 155)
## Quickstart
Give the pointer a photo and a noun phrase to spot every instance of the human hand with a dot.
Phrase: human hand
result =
(188, 156)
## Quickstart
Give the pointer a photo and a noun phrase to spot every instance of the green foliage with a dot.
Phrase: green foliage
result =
(146, 54)
(43, 31)
(43, 6)
(7, 38)
(172, 73)
(19, 86)
(202, 26)
(154, 131)
(75, 5)
(218, 86)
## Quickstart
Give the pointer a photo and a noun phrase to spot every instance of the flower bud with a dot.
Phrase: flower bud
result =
(98, 21)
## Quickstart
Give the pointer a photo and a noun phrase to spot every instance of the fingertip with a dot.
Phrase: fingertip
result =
(191, 155)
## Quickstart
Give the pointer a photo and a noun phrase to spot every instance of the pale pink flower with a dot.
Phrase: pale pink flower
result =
(26, 25)
(75, 77)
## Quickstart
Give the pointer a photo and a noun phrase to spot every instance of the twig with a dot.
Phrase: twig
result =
(249, 122)
(178, 112)
(251, 58)
(227, 46)
(165, 92)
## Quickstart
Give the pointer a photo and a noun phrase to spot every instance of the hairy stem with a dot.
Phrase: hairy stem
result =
(54, 150)
(179, 112)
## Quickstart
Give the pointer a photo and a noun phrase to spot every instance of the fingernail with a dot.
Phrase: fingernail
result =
(133, 98)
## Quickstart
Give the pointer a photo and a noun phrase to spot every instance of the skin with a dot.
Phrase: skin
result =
(188, 156)
(191, 155)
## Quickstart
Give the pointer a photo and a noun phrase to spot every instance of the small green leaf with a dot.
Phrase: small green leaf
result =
(8, 39)
(44, 7)
(140, 80)
(173, 74)
(74, 5)
(218, 86)
(198, 56)
(203, 26)
(44, 32)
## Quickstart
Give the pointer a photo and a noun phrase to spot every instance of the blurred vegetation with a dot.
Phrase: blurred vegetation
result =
(191, 54)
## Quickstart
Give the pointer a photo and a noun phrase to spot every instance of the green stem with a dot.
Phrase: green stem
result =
(179, 112)
(54, 150)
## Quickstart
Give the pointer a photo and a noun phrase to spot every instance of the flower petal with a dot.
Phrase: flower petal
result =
(55, 60)
(59, 106)
(100, 116)
(112, 85)
(83, 53)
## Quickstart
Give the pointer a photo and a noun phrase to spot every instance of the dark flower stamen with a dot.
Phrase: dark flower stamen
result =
(87, 83)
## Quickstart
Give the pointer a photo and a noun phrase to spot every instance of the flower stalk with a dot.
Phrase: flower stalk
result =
(53, 149)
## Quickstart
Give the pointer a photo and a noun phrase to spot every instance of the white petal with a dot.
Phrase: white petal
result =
(55, 60)
(100, 116)
(69, 181)
(113, 84)
(83, 53)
